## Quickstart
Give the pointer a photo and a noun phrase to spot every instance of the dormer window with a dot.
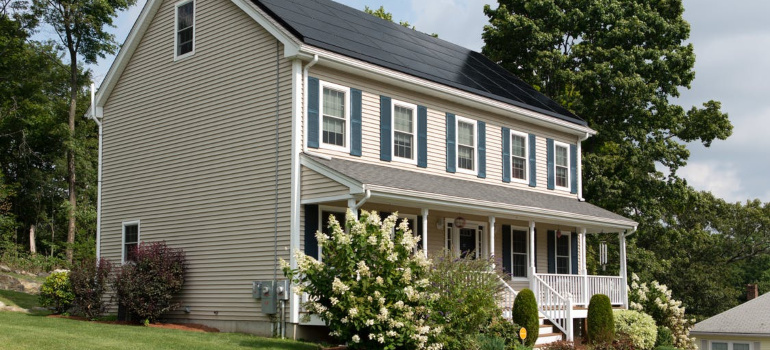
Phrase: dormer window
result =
(184, 40)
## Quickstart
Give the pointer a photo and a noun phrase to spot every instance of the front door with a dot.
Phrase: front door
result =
(465, 240)
(469, 242)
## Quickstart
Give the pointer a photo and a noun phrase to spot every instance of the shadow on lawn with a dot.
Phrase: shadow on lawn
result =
(260, 344)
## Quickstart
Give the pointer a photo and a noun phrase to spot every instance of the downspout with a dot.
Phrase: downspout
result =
(580, 166)
(304, 97)
(98, 178)
(353, 206)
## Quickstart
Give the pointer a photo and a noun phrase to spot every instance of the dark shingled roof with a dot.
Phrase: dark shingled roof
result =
(751, 317)
(344, 30)
(371, 174)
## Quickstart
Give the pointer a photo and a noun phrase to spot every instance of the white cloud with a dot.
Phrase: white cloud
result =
(721, 179)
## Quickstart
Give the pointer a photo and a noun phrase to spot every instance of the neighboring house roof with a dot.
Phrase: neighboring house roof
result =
(341, 29)
(749, 318)
(450, 189)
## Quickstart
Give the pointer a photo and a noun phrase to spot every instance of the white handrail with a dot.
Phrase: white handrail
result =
(555, 307)
(506, 300)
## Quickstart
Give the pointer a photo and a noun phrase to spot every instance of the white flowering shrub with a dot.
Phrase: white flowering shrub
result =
(637, 326)
(370, 288)
(656, 301)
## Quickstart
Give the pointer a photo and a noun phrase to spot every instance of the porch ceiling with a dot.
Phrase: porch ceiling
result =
(384, 181)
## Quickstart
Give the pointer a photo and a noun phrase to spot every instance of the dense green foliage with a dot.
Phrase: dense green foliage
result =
(601, 324)
(526, 314)
(637, 326)
(664, 337)
(506, 330)
(560, 345)
(490, 342)
(620, 65)
(147, 286)
(88, 280)
(56, 292)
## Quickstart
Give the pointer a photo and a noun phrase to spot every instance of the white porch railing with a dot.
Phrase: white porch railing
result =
(507, 297)
(583, 287)
(554, 306)
(566, 285)
(611, 286)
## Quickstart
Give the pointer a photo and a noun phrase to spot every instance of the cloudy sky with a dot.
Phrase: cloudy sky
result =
(732, 44)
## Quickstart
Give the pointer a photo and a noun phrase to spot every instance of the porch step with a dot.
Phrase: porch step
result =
(548, 338)
(546, 329)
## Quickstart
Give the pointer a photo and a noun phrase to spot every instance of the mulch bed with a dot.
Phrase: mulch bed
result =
(191, 327)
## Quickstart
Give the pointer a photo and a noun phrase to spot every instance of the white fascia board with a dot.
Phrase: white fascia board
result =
(345, 63)
(355, 186)
(498, 209)
(290, 43)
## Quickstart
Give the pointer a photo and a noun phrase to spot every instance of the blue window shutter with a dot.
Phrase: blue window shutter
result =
(551, 251)
(451, 158)
(535, 250)
(311, 227)
(549, 156)
(573, 168)
(532, 161)
(355, 122)
(506, 155)
(482, 133)
(574, 252)
(313, 120)
(385, 124)
(422, 136)
(507, 263)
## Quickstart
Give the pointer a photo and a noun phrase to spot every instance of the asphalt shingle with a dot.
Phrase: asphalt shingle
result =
(751, 317)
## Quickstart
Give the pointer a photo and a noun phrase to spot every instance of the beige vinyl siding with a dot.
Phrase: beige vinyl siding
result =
(190, 150)
(437, 109)
(315, 185)
(764, 342)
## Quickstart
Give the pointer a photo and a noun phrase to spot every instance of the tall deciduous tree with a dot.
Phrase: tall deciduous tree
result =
(80, 26)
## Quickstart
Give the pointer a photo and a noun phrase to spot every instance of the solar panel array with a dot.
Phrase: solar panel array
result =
(350, 32)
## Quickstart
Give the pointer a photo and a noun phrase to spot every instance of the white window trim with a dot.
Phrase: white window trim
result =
(526, 241)
(323, 84)
(481, 246)
(415, 146)
(138, 224)
(475, 123)
(556, 252)
(176, 29)
(525, 180)
(730, 344)
(569, 166)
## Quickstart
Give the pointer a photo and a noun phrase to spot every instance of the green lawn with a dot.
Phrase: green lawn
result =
(22, 331)
(19, 299)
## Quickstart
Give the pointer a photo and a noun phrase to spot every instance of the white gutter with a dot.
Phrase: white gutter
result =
(304, 95)
(580, 166)
(363, 200)
(92, 115)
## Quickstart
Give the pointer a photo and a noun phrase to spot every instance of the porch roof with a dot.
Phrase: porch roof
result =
(385, 179)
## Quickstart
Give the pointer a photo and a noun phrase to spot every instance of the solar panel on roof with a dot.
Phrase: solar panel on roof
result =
(344, 30)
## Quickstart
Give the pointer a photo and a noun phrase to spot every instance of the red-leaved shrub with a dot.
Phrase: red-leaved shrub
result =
(88, 280)
(146, 286)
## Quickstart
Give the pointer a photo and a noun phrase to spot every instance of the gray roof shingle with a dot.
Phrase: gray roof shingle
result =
(371, 174)
(344, 30)
(751, 317)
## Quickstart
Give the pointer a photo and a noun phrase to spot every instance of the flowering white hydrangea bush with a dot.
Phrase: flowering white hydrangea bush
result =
(637, 326)
(371, 287)
(656, 301)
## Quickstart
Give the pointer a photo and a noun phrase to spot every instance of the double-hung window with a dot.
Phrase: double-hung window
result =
(184, 39)
(562, 254)
(130, 240)
(519, 253)
(404, 125)
(727, 345)
(466, 145)
(561, 165)
(519, 156)
(336, 112)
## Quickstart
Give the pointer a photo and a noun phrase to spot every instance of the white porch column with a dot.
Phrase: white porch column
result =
(491, 236)
(425, 231)
(532, 262)
(623, 273)
(353, 208)
(583, 269)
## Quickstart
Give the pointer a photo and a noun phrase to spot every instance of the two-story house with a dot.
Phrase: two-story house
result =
(233, 128)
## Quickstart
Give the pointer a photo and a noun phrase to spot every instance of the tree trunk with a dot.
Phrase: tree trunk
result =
(32, 247)
(71, 153)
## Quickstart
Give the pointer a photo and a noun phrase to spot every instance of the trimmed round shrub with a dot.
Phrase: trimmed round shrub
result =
(89, 282)
(525, 314)
(601, 324)
(637, 326)
(665, 337)
(56, 292)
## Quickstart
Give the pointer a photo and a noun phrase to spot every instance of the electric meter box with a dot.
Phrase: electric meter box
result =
(267, 297)
(282, 289)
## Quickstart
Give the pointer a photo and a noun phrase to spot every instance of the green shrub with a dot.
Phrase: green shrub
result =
(525, 314)
(560, 345)
(622, 343)
(601, 325)
(56, 292)
(89, 281)
(507, 330)
(665, 347)
(490, 342)
(467, 301)
(147, 286)
(657, 301)
(664, 338)
(23, 261)
(637, 326)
